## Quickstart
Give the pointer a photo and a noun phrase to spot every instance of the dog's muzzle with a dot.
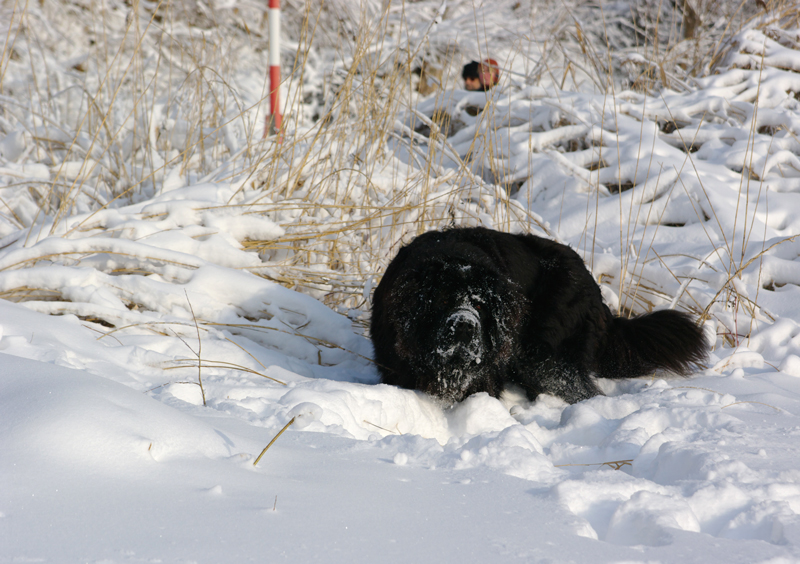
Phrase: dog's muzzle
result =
(461, 336)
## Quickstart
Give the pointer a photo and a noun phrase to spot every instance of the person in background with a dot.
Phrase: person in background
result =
(480, 76)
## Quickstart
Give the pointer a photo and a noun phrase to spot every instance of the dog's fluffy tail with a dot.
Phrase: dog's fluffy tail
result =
(665, 339)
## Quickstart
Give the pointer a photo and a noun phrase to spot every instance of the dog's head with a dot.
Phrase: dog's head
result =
(457, 321)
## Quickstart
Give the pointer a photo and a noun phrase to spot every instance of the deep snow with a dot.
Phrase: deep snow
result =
(99, 472)
(135, 254)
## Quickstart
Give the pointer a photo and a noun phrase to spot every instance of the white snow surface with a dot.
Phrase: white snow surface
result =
(136, 263)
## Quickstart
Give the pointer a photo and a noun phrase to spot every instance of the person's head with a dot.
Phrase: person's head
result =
(471, 76)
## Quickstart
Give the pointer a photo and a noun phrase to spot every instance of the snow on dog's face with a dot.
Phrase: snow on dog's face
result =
(457, 322)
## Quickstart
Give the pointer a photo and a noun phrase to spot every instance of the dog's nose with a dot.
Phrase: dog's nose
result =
(463, 326)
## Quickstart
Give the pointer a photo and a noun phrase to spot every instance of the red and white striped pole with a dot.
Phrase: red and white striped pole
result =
(273, 124)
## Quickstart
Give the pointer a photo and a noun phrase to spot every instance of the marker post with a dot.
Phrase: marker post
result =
(274, 120)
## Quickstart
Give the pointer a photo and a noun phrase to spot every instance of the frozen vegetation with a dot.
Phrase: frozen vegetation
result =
(176, 288)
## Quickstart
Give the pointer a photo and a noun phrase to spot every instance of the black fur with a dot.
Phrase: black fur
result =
(470, 310)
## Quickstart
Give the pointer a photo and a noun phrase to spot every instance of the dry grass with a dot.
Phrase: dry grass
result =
(154, 105)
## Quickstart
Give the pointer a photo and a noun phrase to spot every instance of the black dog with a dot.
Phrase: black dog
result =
(470, 310)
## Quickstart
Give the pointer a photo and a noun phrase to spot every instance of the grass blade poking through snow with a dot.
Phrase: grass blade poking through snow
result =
(275, 438)
(303, 414)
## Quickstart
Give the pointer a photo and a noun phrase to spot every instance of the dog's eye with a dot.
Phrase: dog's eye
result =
(478, 307)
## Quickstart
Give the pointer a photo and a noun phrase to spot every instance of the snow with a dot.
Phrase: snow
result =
(110, 473)
(139, 260)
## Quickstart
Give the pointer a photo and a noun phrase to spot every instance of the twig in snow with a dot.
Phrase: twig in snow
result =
(381, 428)
(272, 441)
(615, 464)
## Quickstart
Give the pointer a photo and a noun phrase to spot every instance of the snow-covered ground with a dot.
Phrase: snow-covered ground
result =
(151, 242)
